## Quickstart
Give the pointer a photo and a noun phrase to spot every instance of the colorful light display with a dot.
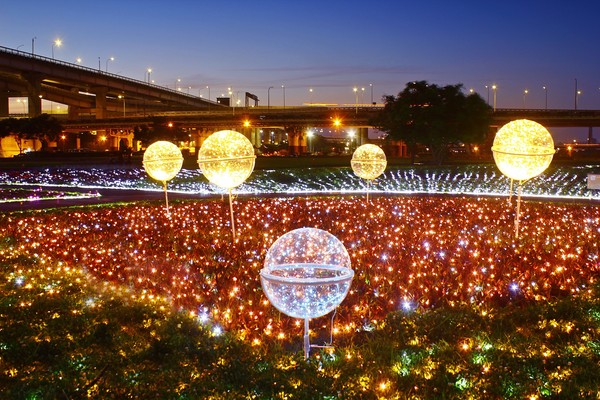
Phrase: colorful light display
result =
(307, 274)
(163, 161)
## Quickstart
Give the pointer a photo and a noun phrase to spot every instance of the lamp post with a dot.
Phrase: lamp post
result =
(149, 71)
(99, 64)
(122, 96)
(355, 89)
(33, 45)
(577, 92)
(546, 95)
(310, 90)
(57, 43)
(309, 134)
(107, 60)
(371, 86)
(269, 97)
(524, 96)
(494, 87)
(283, 88)
(208, 92)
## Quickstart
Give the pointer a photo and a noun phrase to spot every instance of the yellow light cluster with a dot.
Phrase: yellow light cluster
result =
(523, 149)
(162, 160)
(226, 158)
(368, 161)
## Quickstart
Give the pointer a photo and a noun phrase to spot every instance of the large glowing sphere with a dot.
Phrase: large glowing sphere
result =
(162, 160)
(307, 273)
(523, 149)
(368, 161)
(226, 158)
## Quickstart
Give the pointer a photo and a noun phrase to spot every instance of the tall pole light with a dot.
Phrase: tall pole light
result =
(371, 86)
(576, 93)
(33, 45)
(122, 96)
(208, 91)
(99, 64)
(355, 89)
(149, 71)
(283, 88)
(494, 87)
(107, 60)
(57, 43)
(524, 96)
(269, 97)
(310, 90)
(488, 94)
(546, 95)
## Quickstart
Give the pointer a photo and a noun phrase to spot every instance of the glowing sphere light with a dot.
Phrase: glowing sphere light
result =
(163, 161)
(226, 158)
(368, 161)
(523, 149)
(306, 275)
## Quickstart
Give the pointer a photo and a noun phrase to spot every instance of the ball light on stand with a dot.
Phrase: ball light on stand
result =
(368, 162)
(306, 275)
(227, 158)
(522, 150)
(163, 161)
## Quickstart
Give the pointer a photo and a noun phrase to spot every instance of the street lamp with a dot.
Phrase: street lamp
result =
(122, 96)
(309, 133)
(177, 82)
(57, 43)
(311, 92)
(269, 97)
(107, 60)
(546, 94)
(283, 88)
(78, 60)
(488, 94)
(577, 98)
(371, 86)
(494, 87)
(33, 45)
(149, 71)
(524, 96)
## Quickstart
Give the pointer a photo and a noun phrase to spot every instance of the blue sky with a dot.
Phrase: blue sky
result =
(329, 46)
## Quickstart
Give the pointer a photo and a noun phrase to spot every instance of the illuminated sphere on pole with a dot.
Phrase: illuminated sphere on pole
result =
(306, 273)
(162, 160)
(368, 161)
(523, 149)
(226, 158)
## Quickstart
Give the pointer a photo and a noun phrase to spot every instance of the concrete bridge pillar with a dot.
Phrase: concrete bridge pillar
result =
(4, 104)
(100, 93)
(363, 136)
(34, 94)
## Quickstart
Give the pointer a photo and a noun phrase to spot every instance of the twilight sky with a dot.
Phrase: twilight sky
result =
(329, 46)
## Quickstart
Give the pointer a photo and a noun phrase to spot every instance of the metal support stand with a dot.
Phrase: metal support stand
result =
(166, 197)
(231, 213)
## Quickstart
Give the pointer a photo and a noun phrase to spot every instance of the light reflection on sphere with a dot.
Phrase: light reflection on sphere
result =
(307, 273)
(162, 160)
(226, 158)
(368, 161)
(523, 149)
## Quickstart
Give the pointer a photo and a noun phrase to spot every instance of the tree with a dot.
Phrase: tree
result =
(434, 116)
(160, 129)
(44, 128)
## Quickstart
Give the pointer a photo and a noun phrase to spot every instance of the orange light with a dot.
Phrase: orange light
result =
(337, 122)
(170, 125)
(246, 123)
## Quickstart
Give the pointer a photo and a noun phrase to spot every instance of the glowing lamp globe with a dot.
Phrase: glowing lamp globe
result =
(306, 273)
(162, 160)
(368, 161)
(523, 149)
(226, 158)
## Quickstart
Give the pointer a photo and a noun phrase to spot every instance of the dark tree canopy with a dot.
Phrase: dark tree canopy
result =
(159, 129)
(434, 116)
(43, 128)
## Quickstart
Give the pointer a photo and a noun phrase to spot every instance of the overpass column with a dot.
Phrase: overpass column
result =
(4, 104)
(363, 136)
(34, 94)
(100, 93)
(255, 137)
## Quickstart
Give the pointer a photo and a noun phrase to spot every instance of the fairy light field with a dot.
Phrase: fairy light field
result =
(416, 258)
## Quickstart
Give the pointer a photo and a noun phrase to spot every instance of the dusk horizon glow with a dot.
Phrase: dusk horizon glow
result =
(537, 54)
